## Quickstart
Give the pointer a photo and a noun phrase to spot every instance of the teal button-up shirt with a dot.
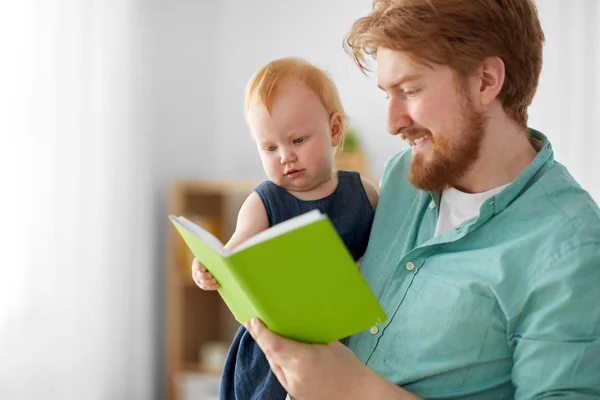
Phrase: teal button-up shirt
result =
(505, 305)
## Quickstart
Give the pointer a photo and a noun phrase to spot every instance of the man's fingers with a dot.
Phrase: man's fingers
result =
(272, 346)
(278, 371)
(278, 349)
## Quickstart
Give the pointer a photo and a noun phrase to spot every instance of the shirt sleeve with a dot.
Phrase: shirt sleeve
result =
(557, 342)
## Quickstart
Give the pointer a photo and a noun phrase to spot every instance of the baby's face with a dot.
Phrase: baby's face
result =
(295, 141)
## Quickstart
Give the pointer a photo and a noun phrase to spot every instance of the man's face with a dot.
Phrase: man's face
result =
(431, 109)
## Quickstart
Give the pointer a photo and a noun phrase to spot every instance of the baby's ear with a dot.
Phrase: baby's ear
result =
(336, 125)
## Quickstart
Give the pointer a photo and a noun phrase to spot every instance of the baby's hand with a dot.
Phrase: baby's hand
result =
(202, 277)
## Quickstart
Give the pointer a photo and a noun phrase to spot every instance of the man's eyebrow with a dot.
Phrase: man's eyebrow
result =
(404, 79)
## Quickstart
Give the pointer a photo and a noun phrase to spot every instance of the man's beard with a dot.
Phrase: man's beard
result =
(446, 162)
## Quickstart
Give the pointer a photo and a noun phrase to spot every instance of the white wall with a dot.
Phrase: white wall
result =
(567, 104)
(179, 46)
(181, 63)
(250, 34)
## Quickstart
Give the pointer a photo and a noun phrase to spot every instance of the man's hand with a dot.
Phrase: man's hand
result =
(309, 371)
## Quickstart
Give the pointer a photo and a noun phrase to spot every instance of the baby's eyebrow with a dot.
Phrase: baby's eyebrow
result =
(264, 143)
(298, 133)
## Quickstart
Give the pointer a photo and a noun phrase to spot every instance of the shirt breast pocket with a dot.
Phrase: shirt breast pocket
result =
(439, 331)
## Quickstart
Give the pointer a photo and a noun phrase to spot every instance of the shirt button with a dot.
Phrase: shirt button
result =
(432, 205)
(410, 266)
(374, 330)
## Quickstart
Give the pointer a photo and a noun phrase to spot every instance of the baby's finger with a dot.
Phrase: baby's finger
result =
(211, 281)
(195, 265)
(205, 276)
(209, 284)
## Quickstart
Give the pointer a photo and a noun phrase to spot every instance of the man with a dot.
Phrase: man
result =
(484, 253)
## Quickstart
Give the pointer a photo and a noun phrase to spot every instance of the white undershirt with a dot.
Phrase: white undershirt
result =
(456, 207)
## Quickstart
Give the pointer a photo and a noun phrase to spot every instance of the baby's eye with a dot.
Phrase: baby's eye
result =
(298, 140)
(271, 148)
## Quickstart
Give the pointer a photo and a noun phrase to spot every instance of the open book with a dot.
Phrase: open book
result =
(297, 277)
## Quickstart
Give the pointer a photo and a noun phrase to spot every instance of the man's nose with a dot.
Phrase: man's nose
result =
(398, 117)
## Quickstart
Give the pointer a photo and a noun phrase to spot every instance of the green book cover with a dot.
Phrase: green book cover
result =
(297, 277)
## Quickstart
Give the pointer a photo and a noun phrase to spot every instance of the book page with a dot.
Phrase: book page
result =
(208, 238)
(276, 230)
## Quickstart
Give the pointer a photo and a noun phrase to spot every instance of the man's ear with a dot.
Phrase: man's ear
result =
(492, 74)
(336, 126)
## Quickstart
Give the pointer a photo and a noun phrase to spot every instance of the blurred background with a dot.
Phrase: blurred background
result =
(105, 103)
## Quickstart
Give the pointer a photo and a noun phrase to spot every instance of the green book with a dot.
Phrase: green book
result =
(297, 277)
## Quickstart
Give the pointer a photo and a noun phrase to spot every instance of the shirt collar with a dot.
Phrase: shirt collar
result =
(542, 161)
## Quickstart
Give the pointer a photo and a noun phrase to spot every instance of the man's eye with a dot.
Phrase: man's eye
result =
(271, 148)
(410, 92)
(298, 140)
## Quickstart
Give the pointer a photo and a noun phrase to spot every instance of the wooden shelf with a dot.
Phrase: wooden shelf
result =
(197, 320)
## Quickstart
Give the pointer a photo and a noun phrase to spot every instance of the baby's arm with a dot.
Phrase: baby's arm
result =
(251, 220)
(373, 197)
(371, 191)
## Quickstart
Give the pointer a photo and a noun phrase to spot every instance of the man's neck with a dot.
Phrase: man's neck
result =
(505, 152)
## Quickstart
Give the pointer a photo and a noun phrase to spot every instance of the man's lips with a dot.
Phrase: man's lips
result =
(415, 135)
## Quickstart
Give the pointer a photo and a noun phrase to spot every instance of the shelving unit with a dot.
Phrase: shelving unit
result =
(196, 319)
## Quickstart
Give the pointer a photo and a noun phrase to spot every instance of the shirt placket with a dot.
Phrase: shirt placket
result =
(409, 266)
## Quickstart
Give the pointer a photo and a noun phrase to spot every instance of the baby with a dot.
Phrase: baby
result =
(296, 118)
